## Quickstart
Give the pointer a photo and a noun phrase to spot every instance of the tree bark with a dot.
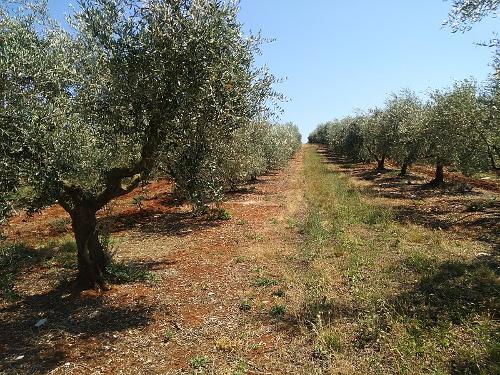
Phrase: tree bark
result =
(493, 164)
(92, 260)
(381, 163)
(439, 175)
(404, 169)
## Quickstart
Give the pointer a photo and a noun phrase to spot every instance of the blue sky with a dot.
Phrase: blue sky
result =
(340, 55)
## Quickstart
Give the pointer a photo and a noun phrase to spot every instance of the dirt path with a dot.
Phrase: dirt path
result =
(215, 306)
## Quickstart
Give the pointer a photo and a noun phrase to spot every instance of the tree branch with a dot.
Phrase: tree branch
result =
(117, 190)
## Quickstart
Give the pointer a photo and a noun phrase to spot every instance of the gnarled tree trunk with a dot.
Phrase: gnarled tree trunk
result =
(439, 175)
(92, 260)
(381, 163)
(404, 169)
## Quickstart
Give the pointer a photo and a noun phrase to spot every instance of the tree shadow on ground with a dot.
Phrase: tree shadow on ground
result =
(455, 206)
(28, 349)
(455, 294)
(71, 319)
(154, 221)
(451, 291)
(478, 218)
(389, 184)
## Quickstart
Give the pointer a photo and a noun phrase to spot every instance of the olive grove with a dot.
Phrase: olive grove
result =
(456, 127)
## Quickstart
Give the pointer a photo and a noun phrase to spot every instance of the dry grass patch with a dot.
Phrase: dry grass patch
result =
(384, 297)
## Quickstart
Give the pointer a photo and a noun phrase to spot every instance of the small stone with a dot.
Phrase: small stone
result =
(40, 323)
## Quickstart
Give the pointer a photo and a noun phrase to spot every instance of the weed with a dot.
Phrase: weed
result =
(253, 236)
(60, 225)
(199, 362)
(239, 259)
(265, 282)
(168, 335)
(121, 273)
(241, 368)
(420, 263)
(277, 311)
(278, 293)
(245, 305)
(221, 214)
(326, 341)
(255, 346)
(7, 287)
(17, 257)
(137, 201)
(225, 344)
(291, 223)
(480, 205)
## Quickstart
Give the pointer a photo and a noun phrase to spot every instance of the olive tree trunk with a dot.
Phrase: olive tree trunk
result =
(439, 175)
(92, 259)
(404, 169)
(381, 163)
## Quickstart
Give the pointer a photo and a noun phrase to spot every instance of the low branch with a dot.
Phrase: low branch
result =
(117, 190)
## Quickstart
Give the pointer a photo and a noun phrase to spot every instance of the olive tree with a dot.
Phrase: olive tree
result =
(488, 129)
(319, 135)
(449, 130)
(224, 164)
(404, 113)
(466, 12)
(379, 134)
(259, 148)
(345, 138)
(88, 113)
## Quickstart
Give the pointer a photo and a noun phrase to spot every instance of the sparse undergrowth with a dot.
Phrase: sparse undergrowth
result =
(18, 258)
(58, 256)
(388, 298)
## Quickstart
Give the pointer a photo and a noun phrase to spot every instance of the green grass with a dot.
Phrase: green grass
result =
(387, 297)
(122, 273)
(222, 214)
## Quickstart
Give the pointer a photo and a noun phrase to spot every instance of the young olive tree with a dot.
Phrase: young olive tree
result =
(404, 112)
(379, 134)
(88, 114)
(345, 138)
(449, 130)
(488, 129)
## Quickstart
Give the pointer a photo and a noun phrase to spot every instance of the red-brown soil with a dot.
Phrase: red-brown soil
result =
(205, 269)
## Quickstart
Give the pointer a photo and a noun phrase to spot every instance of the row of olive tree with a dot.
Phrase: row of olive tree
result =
(202, 174)
(130, 89)
(457, 127)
